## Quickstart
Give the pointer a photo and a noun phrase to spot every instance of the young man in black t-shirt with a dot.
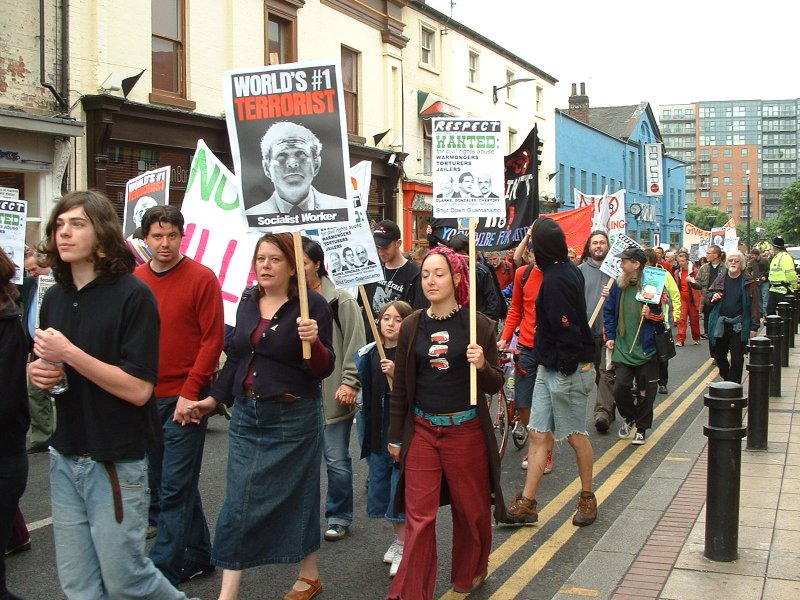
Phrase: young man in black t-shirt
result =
(100, 325)
(400, 275)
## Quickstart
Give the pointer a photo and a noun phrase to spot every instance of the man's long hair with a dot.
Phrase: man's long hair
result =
(111, 256)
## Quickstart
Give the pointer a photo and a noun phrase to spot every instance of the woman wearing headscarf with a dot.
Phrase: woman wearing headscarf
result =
(445, 444)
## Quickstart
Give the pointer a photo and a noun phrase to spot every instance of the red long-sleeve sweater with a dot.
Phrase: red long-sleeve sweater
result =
(192, 326)
(516, 313)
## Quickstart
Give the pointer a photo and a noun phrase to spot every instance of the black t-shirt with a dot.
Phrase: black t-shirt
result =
(397, 284)
(115, 321)
(442, 367)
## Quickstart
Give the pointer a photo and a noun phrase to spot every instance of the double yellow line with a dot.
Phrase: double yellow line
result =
(515, 584)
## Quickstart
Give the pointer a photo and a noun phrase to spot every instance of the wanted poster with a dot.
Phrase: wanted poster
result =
(13, 214)
(288, 134)
(142, 193)
(350, 251)
(619, 242)
(468, 169)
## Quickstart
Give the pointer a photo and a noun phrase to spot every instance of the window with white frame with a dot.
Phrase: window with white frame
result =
(509, 88)
(539, 99)
(474, 75)
(427, 46)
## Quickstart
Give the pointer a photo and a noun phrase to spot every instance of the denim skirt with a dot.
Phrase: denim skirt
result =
(271, 512)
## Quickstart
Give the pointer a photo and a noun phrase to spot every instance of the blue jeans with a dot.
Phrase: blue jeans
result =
(183, 540)
(336, 448)
(98, 558)
(383, 478)
(763, 289)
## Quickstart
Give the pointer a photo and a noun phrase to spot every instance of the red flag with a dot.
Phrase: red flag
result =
(577, 225)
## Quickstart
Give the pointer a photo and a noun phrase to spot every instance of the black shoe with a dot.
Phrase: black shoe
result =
(703, 336)
(601, 425)
(195, 570)
(335, 532)
(23, 547)
(662, 389)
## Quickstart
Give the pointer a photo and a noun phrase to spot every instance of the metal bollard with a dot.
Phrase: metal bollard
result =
(785, 313)
(796, 311)
(759, 367)
(774, 334)
(724, 431)
(792, 315)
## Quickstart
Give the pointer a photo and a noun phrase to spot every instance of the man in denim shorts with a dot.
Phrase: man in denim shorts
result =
(564, 351)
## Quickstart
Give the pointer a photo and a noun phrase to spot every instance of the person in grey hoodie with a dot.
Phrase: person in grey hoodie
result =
(596, 285)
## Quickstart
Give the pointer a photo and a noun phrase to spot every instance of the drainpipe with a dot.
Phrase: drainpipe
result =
(49, 86)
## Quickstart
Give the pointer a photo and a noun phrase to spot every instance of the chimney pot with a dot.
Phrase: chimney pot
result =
(574, 89)
(583, 88)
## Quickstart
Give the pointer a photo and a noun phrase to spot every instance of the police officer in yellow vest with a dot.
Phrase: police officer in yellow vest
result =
(782, 276)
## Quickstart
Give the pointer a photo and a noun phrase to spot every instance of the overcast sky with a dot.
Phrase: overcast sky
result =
(670, 52)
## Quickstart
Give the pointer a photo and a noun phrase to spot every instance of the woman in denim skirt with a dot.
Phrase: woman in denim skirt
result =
(272, 504)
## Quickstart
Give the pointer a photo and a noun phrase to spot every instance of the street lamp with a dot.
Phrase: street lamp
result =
(747, 174)
(496, 88)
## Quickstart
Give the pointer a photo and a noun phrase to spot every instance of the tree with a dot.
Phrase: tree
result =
(789, 213)
(759, 230)
(705, 217)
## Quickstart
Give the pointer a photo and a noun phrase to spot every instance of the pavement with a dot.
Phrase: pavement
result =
(655, 548)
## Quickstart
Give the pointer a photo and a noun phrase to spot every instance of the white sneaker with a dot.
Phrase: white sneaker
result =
(625, 430)
(525, 462)
(388, 557)
(398, 557)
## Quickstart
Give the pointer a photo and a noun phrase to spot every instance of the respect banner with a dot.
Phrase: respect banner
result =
(288, 135)
(216, 233)
(611, 264)
(13, 215)
(142, 193)
(467, 168)
(521, 194)
(350, 252)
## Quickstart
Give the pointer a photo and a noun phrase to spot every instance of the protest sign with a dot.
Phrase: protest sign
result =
(9, 193)
(43, 283)
(12, 234)
(692, 234)
(142, 193)
(216, 234)
(606, 206)
(611, 264)
(467, 168)
(288, 137)
(350, 250)
(653, 281)
(521, 195)
(718, 236)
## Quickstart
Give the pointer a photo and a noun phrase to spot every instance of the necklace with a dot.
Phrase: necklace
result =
(445, 317)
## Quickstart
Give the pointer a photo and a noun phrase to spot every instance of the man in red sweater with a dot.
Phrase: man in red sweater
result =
(192, 334)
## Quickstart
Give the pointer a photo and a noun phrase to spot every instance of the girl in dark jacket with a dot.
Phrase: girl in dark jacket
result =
(445, 443)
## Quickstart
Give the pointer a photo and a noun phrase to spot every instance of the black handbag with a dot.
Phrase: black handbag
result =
(665, 345)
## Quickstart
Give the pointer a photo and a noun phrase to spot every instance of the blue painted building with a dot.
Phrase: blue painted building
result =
(604, 146)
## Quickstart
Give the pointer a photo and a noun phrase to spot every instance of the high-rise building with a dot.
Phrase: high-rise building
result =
(741, 150)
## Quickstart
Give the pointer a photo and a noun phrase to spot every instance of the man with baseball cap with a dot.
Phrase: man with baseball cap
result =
(400, 275)
(782, 276)
(630, 328)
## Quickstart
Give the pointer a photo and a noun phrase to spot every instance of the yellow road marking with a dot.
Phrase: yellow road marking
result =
(525, 533)
(576, 591)
(531, 567)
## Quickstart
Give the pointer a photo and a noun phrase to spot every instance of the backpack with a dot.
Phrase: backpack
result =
(502, 310)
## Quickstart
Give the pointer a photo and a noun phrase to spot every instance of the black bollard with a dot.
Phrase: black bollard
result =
(792, 315)
(785, 313)
(774, 335)
(759, 367)
(796, 311)
(724, 431)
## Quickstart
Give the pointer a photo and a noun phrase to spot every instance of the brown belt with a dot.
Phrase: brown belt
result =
(116, 493)
(284, 398)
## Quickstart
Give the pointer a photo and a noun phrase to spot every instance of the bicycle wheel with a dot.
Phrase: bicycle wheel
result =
(498, 410)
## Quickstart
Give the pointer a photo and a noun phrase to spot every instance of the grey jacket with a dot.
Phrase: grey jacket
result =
(348, 337)
(594, 280)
